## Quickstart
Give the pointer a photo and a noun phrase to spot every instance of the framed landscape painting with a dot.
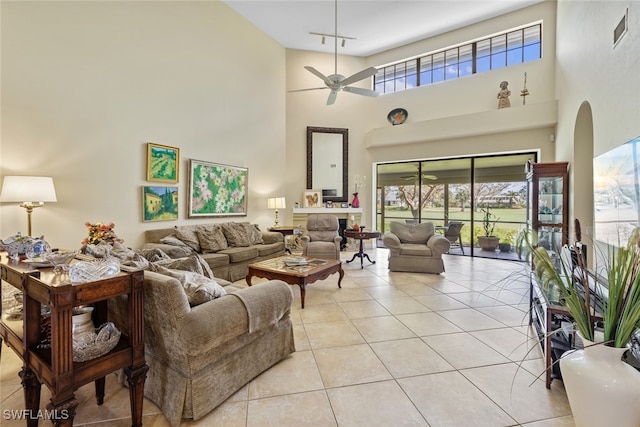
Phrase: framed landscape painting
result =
(159, 203)
(162, 163)
(217, 190)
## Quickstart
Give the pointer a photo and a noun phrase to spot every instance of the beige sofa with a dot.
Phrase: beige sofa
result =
(228, 247)
(199, 356)
(415, 247)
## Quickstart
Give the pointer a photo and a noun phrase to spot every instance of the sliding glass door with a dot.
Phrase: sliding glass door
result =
(460, 190)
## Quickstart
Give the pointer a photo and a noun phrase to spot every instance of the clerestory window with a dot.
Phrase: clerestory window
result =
(503, 50)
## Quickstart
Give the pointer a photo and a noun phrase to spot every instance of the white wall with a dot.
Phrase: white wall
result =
(590, 72)
(85, 85)
(433, 105)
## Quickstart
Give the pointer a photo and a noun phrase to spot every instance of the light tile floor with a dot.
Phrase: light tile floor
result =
(387, 349)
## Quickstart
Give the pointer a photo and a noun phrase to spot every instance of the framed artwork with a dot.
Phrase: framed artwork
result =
(217, 190)
(159, 203)
(312, 199)
(344, 205)
(162, 163)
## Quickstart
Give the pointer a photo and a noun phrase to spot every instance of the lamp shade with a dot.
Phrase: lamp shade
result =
(28, 189)
(276, 203)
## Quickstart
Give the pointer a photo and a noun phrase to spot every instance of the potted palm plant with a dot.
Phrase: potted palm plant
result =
(602, 388)
(488, 242)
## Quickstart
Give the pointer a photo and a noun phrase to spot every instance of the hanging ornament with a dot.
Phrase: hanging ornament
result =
(524, 92)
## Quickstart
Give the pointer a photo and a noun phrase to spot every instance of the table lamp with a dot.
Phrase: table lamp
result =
(276, 203)
(30, 191)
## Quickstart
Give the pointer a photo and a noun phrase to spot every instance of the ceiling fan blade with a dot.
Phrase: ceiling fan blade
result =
(359, 76)
(304, 90)
(319, 74)
(332, 97)
(361, 91)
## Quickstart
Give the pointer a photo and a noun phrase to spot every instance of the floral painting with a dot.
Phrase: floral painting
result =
(217, 190)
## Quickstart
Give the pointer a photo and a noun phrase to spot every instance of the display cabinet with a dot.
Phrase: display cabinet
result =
(548, 185)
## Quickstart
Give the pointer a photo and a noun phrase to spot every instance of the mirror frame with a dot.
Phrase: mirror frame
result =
(345, 160)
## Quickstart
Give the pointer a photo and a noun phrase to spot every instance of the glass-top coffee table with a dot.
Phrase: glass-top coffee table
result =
(302, 273)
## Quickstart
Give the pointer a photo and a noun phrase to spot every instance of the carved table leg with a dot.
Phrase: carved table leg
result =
(31, 387)
(62, 414)
(135, 378)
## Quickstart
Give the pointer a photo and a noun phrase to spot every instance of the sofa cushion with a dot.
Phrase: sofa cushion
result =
(270, 248)
(240, 254)
(199, 289)
(237, 234)
(211, 238)
(216, 259)
(412, 233)
(189, 235)
(415, 249)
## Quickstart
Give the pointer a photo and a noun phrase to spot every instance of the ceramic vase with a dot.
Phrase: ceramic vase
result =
(602, 389)
(356, 202)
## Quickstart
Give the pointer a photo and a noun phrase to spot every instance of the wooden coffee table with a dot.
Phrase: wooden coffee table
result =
(301, 275)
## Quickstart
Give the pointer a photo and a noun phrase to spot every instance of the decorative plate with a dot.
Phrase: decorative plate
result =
(397, 116)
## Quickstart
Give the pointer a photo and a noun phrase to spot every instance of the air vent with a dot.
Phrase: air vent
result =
(621, 29)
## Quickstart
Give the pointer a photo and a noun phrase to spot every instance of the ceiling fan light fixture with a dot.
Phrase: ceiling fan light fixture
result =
(337, 82)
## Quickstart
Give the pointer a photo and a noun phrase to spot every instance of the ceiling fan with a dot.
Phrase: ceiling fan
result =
(424, 176)
(337, 82)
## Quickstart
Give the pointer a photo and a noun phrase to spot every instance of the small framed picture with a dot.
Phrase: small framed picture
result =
(312, 199)
(159, 203)
(344, 205)
(162, 163)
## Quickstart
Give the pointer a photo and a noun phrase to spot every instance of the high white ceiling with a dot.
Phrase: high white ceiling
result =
(377, 25)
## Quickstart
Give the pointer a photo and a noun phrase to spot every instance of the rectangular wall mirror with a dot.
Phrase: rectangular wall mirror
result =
(328, 162)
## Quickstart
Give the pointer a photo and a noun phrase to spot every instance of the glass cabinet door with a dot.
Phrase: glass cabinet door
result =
(548, 186)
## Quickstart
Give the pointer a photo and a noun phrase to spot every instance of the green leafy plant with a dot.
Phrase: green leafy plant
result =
(621, 310)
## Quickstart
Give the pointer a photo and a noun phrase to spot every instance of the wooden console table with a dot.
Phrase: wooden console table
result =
(53, 365)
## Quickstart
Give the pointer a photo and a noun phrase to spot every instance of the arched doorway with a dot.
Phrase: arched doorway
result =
(581, 182)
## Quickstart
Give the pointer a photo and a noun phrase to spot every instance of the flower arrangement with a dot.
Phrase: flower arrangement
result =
(358, 182)
(99, 232)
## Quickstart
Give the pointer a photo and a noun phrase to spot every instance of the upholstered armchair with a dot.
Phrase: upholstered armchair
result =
(322, 239)
(415, 247)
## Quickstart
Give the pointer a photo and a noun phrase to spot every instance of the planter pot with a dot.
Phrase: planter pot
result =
(602, 389)
(488, 243)
(504, 247)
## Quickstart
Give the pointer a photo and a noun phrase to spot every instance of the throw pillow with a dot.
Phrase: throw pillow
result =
(193, 263)
(188, 234)
(199, 289)
(211, 238)
(237, 234)
(256, 234)
(174, 241)
(153, 254)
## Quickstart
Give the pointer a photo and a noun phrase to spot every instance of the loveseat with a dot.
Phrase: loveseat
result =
(227, 247)
(415, 247)
(199, 355)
